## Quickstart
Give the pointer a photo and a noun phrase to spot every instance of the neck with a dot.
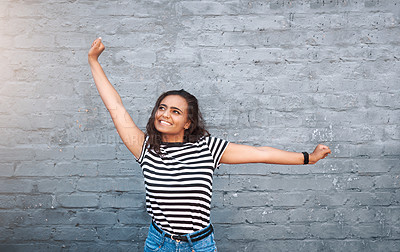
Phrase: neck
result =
(172, 138)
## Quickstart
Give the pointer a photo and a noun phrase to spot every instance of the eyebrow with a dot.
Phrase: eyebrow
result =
(171, 107)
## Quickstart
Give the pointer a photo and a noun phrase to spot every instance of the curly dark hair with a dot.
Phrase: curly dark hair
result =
(196, 129)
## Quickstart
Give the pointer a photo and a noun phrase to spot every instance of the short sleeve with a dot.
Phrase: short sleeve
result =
(143, 152)
(217, 147)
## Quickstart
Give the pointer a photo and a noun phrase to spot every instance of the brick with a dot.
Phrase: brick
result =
(371, 166)
(74, 234)
(268, 232)
(356, 215)
(331, 199)
(122, 168)
(128, 217)
(255, 215)
(392, 131)
(7, 201)
(35, 169)
(390, 214)
(280, 183)
(130, 24)
(16, 89)
(347, 245)
(94, 217)
(206, 8)
(118, 233)
(368, 231)
(263, 215)
(16, 185)
(34, 41)
(329, 230)
(53, 216)
(138, 40)
(21, 10)
(373, 116)
(53, 185)
(12, 218)
(32, 234)
(37, 246)
(101, 152)
(143, 58)
(106, 184)
(371, 150)
(391, 149)
(384, 100)
(16, 154)
(74, 168)
(388, 181)
(122, 200)
(235, 23)
(310, 215)
(5, 234)
(34, 201)
(6, 169)
(371, 199)
(105, 246)
(386, 245)
(289, 199)
(3, 10)
(180, 56)
(243, 199)
(396, 196)
(7, 71)
(78, 200)
(340, 101)
(357, 183)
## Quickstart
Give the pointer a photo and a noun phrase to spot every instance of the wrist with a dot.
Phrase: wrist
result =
(312, 159)
(306, 158)
(92, 59)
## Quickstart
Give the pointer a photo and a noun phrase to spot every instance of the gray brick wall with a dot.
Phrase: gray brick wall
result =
(287, 74)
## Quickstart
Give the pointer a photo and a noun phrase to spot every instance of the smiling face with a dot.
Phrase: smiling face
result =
(171, 118)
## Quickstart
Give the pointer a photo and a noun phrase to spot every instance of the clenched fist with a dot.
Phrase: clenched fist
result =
(96, 49)
(320, 152)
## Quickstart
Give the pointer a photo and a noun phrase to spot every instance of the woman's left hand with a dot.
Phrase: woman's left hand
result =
(96, 49)
(320, 152)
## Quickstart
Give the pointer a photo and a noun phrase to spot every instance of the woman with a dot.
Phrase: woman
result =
(178, 158)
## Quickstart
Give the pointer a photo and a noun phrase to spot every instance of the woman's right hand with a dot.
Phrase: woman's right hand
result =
(96, 49)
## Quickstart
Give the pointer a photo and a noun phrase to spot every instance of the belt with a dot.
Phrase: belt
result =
(193, 237)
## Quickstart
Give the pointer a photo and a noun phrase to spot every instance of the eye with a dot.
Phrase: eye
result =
(176, 112)
(161, 108)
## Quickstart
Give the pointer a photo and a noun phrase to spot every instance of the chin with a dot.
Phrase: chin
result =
(162, 128)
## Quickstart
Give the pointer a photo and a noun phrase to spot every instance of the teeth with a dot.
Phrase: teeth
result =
(165, 123)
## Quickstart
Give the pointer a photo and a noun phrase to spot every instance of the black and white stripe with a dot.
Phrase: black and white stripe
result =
(179, 183)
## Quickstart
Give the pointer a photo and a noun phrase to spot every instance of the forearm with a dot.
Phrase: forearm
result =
(107, 92)
(277, 156)
(242, 154)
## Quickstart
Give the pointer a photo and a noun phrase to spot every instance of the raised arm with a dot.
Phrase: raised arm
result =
(240, 154)
(130, 134)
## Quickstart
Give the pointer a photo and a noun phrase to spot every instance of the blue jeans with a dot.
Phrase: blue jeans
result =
(159, 242)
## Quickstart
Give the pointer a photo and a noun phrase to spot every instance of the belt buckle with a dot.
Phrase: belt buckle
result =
(172, 237)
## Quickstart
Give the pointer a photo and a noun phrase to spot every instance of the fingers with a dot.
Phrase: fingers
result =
(323, 148)
(96, 49)
(96, 42)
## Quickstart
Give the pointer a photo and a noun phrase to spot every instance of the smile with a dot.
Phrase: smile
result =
(165, 123)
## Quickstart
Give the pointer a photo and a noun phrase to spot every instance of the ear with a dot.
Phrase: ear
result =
(187, 124)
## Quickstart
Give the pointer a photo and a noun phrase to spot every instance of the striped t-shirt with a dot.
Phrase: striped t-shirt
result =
(179, 183)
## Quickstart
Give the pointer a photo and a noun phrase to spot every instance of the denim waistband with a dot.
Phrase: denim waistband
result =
(196, 236)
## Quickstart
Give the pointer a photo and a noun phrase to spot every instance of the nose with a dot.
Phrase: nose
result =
(166, 113)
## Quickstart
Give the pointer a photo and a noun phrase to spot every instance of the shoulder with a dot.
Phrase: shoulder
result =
(211, 140)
